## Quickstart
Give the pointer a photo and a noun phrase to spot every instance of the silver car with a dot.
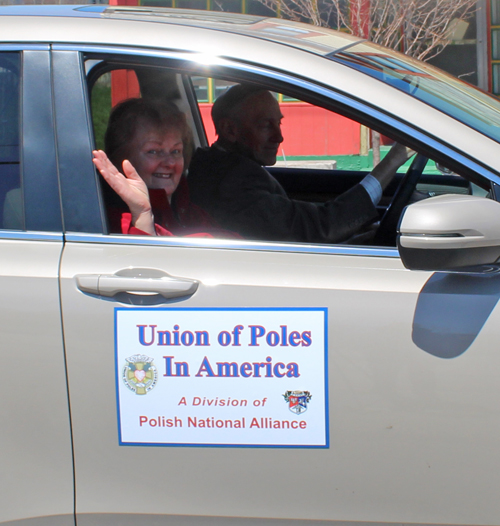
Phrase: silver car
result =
(188, 381)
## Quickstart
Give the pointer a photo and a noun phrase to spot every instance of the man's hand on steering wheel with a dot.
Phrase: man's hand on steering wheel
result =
(388, 166)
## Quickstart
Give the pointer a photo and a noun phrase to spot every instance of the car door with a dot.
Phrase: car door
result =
(226, 380)
(36, 450)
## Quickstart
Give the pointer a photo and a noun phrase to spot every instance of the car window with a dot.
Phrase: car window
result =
(323, 154)
(316, 138)
(11, 208)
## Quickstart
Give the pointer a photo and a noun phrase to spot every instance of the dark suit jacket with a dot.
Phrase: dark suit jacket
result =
(244, 197)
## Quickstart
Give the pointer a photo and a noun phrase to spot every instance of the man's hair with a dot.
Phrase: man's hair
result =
(130, 114)
(228, 103)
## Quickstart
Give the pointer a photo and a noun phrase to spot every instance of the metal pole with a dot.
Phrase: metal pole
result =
(482, 44)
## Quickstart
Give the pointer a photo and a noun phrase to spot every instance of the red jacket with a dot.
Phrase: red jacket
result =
(179, 218)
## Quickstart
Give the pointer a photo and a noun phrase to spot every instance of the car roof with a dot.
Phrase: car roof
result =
(319, 40)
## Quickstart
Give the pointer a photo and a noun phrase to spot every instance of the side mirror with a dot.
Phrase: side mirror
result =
(450, 232)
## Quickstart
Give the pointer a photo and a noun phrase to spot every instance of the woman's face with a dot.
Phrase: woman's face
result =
(157, 155)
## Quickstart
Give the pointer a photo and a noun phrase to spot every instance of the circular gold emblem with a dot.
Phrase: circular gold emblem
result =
(140, 374)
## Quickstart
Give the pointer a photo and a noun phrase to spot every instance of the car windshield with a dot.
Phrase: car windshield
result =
(428, 84)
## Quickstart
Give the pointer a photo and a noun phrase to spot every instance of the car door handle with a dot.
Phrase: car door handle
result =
(138, 281)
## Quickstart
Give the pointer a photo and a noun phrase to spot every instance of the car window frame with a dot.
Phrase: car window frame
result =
(38, 165)
(82, 205)
(277, 81)
(300, 88)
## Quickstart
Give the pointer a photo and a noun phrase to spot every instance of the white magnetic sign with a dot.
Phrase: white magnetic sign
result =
(222, 377)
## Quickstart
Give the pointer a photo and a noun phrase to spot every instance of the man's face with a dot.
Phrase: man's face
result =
(257, 127)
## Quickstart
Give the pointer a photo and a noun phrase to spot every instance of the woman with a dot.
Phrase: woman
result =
(152, 142)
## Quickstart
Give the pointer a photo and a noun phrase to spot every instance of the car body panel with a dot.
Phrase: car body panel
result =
(387, 452)
(36, 435)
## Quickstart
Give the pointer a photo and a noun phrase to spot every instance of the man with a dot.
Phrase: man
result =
(228, 179)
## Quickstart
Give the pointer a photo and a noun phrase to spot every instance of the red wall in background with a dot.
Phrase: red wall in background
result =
(308, 130)
(124, 85)
(123, 2)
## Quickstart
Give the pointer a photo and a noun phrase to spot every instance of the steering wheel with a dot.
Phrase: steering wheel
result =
(386, 233)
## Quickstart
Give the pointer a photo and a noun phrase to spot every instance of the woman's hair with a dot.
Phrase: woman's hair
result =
(128, 115)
